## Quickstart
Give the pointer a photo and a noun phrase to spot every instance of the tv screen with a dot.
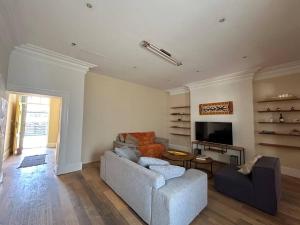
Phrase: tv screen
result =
(217, 132)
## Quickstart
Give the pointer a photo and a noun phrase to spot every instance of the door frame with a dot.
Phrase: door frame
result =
(64, 121)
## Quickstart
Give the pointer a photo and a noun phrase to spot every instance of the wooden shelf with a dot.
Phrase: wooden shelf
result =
(180, 107)
(280, 146)
(281, 134)
(180, 114)
(279, 122)
(180, 127)
(278, 100)
(180, 121)
(187, 135)
(278, 111)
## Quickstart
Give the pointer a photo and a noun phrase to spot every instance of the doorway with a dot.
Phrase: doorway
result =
(33, 124)
(36, 121)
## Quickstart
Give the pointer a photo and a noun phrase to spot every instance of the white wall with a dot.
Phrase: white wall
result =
(37, 72)
(113, 106)
(240, 91)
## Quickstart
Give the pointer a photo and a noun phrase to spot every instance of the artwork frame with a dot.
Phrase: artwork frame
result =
(216, 108)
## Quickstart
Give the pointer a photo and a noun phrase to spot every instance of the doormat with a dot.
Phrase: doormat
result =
(33, 160)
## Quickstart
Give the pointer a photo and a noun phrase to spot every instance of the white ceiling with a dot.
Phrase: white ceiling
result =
(266, 31)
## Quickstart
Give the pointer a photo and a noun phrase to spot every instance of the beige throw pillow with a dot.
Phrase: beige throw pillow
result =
(247, 167)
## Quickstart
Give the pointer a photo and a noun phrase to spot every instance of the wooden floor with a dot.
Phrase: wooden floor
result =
(35, 196)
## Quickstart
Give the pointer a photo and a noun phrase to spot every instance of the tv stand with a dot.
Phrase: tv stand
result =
(219, 148)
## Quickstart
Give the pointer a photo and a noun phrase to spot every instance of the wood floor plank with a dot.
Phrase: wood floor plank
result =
(35, 196)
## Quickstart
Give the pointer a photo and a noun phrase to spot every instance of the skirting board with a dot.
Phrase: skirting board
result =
(180, 147)
(69, 168)
(290, 171)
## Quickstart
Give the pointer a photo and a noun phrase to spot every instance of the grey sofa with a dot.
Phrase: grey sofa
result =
(158, 202)
(260, 189)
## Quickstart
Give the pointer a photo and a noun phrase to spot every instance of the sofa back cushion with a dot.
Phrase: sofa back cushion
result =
(266, 177)
(150, 161)
(132, 182)
(128, 153)
(168, 171)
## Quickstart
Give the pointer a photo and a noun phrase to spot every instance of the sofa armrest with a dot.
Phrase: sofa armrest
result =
(180, 200)
(163, 141)
(119, 144)
(266, 178)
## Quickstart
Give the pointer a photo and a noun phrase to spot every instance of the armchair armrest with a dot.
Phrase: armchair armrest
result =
(180, 200)
(163, 141)
(119, 144)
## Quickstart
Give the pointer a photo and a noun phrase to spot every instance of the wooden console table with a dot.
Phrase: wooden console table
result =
(219, 148)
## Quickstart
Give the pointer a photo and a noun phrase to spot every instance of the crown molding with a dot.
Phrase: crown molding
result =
(178, 90)
(54, 57)
(228, 78)
(279, 70)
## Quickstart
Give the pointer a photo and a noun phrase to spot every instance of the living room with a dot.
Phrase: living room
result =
(145, 81)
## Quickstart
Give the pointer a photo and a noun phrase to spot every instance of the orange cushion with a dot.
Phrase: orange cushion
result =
(152, 150)
(143, 138)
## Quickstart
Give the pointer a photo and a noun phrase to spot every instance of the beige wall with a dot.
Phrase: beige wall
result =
(179, 142)
(9, 133)
(113, 106)
(54, 122)
(240, 91)
(265, 88)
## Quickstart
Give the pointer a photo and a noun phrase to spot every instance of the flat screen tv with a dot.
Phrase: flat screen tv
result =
(217, 132)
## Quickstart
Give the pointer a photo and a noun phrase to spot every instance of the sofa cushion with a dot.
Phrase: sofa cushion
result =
(169, 171)
(128, 153)
(234, 184)
(153, 150)
(150, 161)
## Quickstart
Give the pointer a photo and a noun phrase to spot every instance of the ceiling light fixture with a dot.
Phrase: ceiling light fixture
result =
(161, 52)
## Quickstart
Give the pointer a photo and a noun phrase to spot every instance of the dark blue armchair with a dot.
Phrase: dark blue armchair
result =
(260, 189)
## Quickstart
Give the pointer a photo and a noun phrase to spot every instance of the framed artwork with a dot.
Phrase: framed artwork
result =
(216, 108)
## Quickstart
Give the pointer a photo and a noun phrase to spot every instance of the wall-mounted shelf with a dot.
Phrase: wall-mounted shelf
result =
(280, 146)
(180, 107)
(180, 127)
(294, 123)
(278, 111)
(186, 135)
(280, 134)
(277, 131)
(278, 100)
(183, 113)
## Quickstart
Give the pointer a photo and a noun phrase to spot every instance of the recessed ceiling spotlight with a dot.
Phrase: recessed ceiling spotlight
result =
(89, 5)
(222, 20)
(245, 57)
(73, 44)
